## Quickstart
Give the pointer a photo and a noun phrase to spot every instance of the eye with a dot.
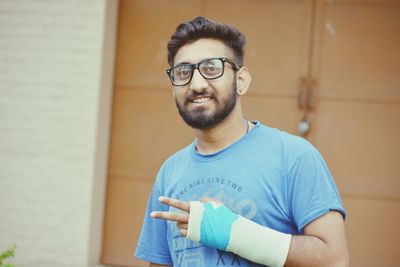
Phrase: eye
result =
(182, 72)
(211, 67)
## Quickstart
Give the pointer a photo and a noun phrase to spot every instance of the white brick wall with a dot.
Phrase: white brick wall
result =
(51, 86)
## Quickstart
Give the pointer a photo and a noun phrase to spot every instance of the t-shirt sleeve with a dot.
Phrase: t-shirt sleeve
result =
(312, 190)
(153, 243)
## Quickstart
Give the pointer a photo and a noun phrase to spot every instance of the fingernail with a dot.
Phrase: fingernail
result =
(161, 199)
(152, 214)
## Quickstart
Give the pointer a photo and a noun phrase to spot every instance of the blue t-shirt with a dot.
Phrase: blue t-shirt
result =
(271, 177)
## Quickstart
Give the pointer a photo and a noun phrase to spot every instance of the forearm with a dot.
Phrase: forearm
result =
(312, 251)
(323, 243)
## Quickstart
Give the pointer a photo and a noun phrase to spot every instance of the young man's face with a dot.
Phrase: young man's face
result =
(205, 103)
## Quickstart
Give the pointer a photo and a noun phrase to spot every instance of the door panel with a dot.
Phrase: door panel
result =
(123, 211)
(361, 55)
(144, 30)
(361, 143)
(142, 136)
(372, 231)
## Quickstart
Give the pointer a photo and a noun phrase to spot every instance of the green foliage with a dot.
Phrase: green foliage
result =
(9, 253)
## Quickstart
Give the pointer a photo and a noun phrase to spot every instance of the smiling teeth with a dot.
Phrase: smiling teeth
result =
(201, 100)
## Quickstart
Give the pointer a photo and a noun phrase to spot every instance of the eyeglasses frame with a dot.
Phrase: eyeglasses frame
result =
(196, 66)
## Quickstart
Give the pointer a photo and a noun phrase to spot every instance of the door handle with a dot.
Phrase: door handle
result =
(311, 95)
(305, 97)
(301, 97)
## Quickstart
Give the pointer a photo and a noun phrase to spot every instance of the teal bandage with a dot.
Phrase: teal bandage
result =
(216, 225)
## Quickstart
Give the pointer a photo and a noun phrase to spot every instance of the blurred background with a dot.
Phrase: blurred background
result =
(87, 115)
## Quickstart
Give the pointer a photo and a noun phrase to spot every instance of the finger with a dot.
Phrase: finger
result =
(172, 216)
(183, 232)
(185, 206)
(182, 225)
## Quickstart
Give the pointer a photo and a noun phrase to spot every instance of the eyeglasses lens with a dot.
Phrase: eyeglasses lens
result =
(181, 74)
(211, 68)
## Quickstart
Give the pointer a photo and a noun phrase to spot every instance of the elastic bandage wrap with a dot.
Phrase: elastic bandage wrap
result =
(216, 226)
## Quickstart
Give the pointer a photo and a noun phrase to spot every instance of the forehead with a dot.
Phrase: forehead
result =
(201, 49)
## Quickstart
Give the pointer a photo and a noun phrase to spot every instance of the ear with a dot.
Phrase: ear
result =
(243, 80)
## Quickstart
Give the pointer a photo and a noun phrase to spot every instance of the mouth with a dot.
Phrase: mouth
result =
(200, 99)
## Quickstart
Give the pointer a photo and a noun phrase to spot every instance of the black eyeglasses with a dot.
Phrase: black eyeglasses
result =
(210, 68)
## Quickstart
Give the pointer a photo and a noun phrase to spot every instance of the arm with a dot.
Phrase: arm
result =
(323, 243)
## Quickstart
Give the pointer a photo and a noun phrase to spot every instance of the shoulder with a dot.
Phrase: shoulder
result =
(285, 147)
(286, 141)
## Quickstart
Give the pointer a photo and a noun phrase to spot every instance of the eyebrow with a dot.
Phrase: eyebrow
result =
(188, 63)
(183, 63)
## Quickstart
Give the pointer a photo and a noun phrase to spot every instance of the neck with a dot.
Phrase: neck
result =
(224, 134)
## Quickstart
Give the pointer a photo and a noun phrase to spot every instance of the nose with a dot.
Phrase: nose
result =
(198, 82)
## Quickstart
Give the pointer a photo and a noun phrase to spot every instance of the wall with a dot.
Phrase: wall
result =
(56, 67)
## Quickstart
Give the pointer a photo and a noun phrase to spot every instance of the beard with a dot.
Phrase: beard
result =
(198, 118)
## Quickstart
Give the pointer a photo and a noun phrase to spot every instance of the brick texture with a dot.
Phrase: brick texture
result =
(50, 58)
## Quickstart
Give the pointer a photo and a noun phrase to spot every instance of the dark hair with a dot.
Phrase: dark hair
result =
(201, 27)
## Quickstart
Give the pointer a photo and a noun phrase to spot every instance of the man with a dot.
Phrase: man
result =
(242, 194)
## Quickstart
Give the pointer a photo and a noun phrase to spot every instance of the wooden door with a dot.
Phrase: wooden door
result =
(357, 120)
(354, 121)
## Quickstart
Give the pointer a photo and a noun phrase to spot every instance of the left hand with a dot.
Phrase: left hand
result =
(181, 218)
